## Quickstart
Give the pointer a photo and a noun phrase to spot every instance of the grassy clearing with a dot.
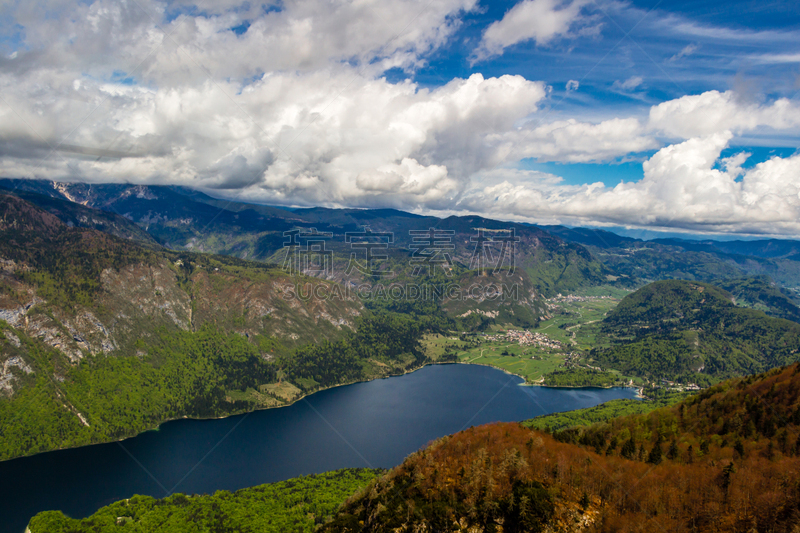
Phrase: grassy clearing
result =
(284, 390)
(533, 370)
(530, 362)
(252, 395)
(574, 322)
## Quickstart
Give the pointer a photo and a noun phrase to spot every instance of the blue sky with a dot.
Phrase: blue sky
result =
(640, 40)
(665, 116)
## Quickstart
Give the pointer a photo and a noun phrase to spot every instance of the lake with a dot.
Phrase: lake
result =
(372, 424)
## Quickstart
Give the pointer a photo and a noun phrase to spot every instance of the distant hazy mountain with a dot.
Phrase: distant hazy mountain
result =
(554, 258)
(181, 218)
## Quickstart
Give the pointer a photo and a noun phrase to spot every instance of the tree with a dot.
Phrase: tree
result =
(673, 451)
(655, 456)
(628, 449)
(584, 503)
(727, 471)
(738, 447)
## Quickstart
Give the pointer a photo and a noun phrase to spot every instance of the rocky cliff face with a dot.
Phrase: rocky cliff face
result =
(135, 291)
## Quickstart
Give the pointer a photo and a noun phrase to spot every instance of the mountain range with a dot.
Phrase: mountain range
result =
(125, 306)
(109, 293)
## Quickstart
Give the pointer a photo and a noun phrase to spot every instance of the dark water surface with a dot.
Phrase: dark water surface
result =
(375, 424)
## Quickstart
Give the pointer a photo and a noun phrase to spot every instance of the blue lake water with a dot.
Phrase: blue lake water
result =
(373, 424)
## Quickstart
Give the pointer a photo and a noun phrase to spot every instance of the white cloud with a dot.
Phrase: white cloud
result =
(575, 142)
(285, 138)
(686, 51)
(681, 188)
(537, 20)
(295, 110)
(628, 85)
(713, 111)
(775, 58)
(138, 38)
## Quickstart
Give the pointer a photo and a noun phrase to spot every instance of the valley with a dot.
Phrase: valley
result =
(679, 465)
(399, 266)
(115, 325)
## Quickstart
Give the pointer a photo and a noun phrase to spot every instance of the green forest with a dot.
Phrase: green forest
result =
(580, 377)
(296, 505)
(692, 332)
(194, 374)
(605, 411)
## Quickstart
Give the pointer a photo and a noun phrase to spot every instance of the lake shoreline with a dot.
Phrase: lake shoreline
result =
(304, 396)
(376, 423)
(525, 383)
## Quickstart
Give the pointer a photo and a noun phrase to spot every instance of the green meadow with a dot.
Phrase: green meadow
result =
(573, 324)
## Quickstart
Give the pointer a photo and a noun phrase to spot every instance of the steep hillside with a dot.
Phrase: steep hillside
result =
(726, 460)
(690, 331)
(87, 292)
(76, 215)
(102, 338)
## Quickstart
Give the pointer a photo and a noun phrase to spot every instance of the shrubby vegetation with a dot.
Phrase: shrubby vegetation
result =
(294, 506)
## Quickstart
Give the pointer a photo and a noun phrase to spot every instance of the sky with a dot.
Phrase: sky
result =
(675, 116)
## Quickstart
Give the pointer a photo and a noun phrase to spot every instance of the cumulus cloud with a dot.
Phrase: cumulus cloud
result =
(170, 43)
(284, 138)
(293, 108)
(537, 20)
(681, 188)
(575, 142)
(713, 111)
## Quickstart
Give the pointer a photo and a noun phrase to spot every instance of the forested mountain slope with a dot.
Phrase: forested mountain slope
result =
(692, 331)
(102, 337)
(725, 460)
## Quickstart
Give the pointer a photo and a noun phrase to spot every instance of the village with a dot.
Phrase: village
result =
(526, 338)
(572, 298)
